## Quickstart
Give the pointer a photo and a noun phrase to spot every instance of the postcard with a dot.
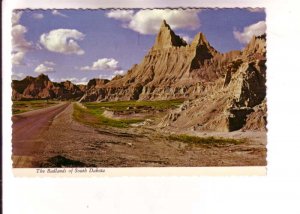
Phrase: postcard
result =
(138, 91)
(127, 106)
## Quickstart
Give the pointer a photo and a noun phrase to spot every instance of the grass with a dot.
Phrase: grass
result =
(25, 106)
(138, 105)
(93, 113)
(208, 141)
(94, 117)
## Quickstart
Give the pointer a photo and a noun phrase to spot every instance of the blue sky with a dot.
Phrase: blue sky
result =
(84, 44)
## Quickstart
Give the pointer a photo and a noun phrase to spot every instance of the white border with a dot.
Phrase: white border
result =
(279, 192)
(96, 4)
(141, 171)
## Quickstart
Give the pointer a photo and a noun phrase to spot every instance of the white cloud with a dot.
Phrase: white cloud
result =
(120, 72)
(106, 76)
(256, 29)
(44, 69)
(75, 80)
(20, 45)
(149, 21)
(38, 16)
(256, 9)
(18, 38)
(16, 16)
(63, 41)
(18, 58)
(110, 76)
(123, 15)
(49, 63)
(186, 38)
(17, 76)
(57, 13)
(102, 64)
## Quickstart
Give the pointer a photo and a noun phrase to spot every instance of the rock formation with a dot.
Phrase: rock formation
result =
(31, 88)
(235, 101)
(166, 72)
(223, 91)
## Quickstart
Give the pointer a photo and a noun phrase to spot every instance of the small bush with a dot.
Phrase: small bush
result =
(213, 141)
(30, 105)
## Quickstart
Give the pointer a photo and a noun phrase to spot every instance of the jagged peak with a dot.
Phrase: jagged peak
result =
(201, 41)
(166, 38)
(68, 82)
(256, 45)
(43, 77)
(258, 38)
(164, 24)
(28, 78)
(97, 81)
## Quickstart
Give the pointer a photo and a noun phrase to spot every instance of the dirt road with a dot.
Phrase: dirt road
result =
(28, 129)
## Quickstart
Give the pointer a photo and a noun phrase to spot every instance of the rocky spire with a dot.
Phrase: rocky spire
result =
(257, 45)
(201, 42)
(42, 77)
(203, 51)
(166, 38)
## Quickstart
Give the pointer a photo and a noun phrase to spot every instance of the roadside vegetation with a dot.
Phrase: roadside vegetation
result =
(93, 116)
(136, 105)
(206, 141)
(91, 113)
(25, 106)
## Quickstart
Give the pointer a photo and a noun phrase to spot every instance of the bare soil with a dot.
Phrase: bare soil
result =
(67, 143)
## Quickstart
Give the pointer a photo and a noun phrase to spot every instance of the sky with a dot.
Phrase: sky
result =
(79, 45)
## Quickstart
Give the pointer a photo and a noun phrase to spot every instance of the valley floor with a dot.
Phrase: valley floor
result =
(68, 143)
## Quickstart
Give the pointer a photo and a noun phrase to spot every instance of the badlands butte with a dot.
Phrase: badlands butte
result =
(223, 95)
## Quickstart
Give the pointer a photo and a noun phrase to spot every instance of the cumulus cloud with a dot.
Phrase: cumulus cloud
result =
(75, 80)
(256, 9)
(18, 38)
(119, 72)
(186, 38)
(149, 21)
(38, 16)
(49, 63)
(16, 16)
(18, 58)
(123, 15)
(246, 35)
(20, 46)
(63, 41)
(44, 69)
(111, 76)
(17, 76)
(106, 76)
(105, 64)
(108, 64)
(57, 13)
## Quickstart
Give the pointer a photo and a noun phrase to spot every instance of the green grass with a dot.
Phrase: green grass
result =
(94, 117)
(208, 141)
(93, 114)
(25, 106)
(138, 105)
